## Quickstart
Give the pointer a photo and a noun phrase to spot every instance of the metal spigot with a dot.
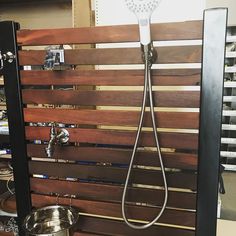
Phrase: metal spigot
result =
(60, 136)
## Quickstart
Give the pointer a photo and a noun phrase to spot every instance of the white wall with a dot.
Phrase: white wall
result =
(231, 4)
(115, 12)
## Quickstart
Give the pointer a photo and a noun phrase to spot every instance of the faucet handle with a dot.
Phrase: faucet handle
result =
(57, 136)
(63, 136)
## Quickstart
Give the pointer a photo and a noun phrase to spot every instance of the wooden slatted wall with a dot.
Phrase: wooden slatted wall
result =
(94, 165)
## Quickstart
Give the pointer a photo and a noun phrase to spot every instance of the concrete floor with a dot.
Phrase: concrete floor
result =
(227, 223)
(228, 210)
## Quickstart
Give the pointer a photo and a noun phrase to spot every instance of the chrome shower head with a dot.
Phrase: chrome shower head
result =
(143, 10)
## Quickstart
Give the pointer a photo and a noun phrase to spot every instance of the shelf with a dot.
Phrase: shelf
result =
(1, 80)
(230, 54)
(7, 2)
(231, 39)
(230, 69)
(5, 156)
(3, 106)
(230, 167)
(3, 213)
(5, 178)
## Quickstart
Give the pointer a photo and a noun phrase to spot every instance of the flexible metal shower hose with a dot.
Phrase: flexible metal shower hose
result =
(147, 89)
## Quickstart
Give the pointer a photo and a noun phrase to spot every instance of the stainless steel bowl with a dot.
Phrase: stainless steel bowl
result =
(51, 221)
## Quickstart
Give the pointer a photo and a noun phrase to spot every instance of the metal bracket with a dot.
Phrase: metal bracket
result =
(9, 57)
(149, 53)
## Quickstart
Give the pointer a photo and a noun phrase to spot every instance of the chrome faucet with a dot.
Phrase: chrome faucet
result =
(60, 136)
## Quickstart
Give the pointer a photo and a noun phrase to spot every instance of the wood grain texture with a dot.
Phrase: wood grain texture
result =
(99, 188)
(113, 193)
(116, 137)
(123, 33)
(189, 99)
(101, 155)
(85, 234)
(7, 234)
(118, 228)
(179, 120)
(184, 218)
(107, 174)
(162, 77)
(114, 56)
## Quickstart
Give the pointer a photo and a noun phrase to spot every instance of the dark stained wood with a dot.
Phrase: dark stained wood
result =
(162, 77)
(112, 193)
(123, 33)
(85, 234)
(180, 120)
(9, 204)
(112, 174)
(116, 137)
(177, 217)
(7, 234)
(113, 56)
(114, 155)
(4, 138)
(118, 228)
(188, 99)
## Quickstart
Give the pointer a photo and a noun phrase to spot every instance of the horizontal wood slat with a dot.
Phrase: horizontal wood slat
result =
(113, 155)
(7, 234)
(112, 174)
(162, 77)
(113, 56)
(117, 228)
(113, 193)
(122, 33)
(180, 120)
(110, 137)
(188, 99)
(184, 218)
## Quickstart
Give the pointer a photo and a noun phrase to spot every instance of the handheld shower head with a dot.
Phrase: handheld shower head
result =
(143, 10)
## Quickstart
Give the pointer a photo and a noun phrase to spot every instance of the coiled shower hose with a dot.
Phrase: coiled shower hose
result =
(147, 91)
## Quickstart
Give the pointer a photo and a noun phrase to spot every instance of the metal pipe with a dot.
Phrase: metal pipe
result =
(148, 57)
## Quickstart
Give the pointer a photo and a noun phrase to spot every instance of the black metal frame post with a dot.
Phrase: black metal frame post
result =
(215, 23)
(11, 73)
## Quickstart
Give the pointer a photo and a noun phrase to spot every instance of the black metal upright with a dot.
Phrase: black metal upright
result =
(215, 23)
(11, 73)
